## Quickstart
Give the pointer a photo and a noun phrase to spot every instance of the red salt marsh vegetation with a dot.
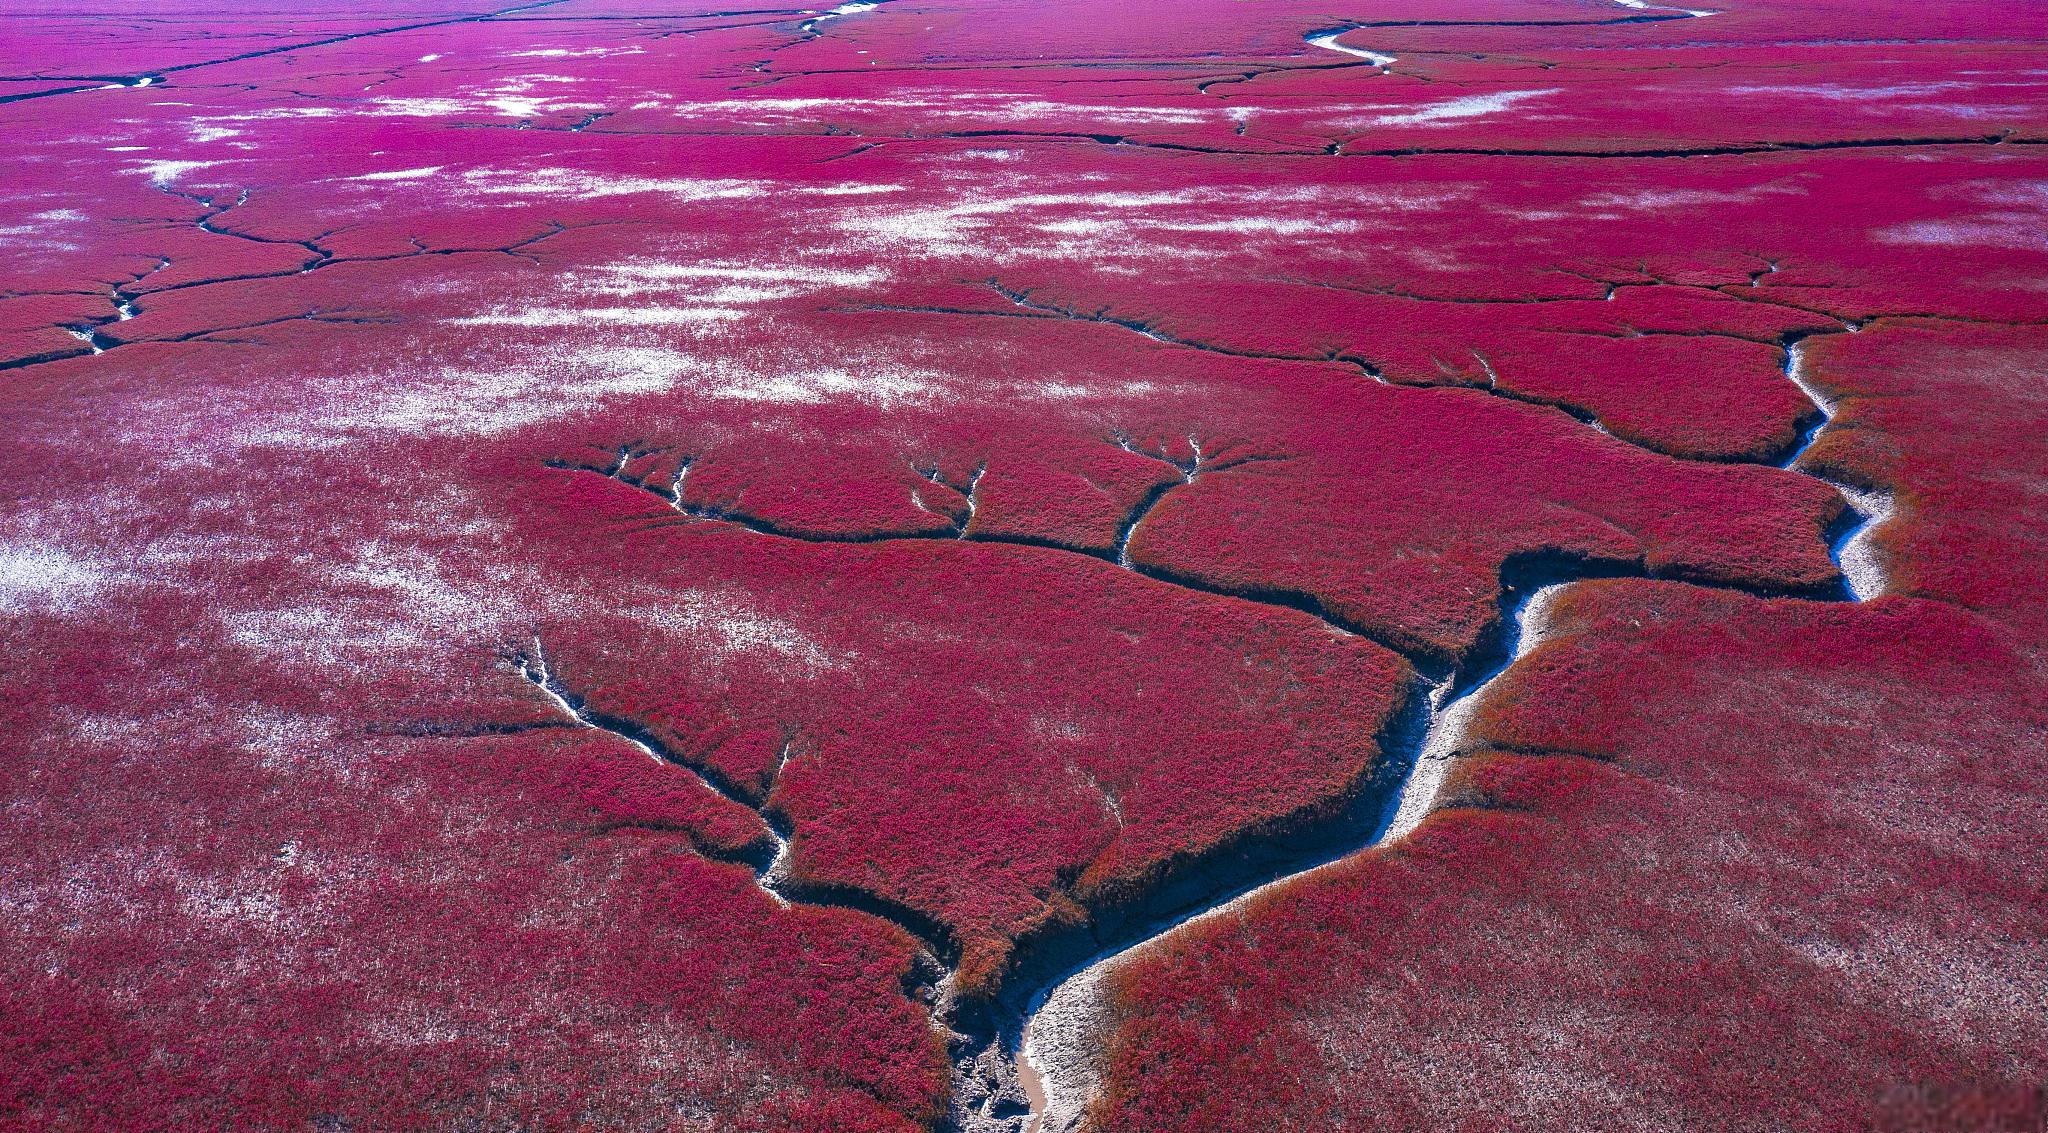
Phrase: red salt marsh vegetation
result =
(988, 566)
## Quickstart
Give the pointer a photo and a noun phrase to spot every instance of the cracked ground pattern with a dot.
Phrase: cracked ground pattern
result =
(1019, 567)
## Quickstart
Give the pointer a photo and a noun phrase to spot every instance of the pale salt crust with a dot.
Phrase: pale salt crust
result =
(1842, 92)
(1659, 200)
(1858, 559)
(519, 96)
(2018, 218)
(165, 171)
(1457, 109)
(996, 106)
(534, 386)
(1886, 99)
(382, 606)
(40, 233)
(848, 189)
(620, 316)
(1238, 226)
(2019, 230)
(784, 109)
(513, 384)
(723, 623)
(419, 174)
(792, 279)
(435, 580)
(41, 577)
(734, 291)
(978, 224)
(514, 99)
(219, 127)
(882, 388)
(574, 53)
(1973, 987)
(578, 184)
(531, 384)
(1101, 112)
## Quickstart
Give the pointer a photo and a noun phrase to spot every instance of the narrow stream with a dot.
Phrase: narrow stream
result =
(1329, 40)
(810, 27)
(1851, 544)
(1646, 6)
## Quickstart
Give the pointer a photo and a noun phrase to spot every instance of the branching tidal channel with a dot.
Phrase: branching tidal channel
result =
(1025, 1056)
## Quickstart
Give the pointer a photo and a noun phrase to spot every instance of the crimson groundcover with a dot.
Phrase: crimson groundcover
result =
(1024, 567)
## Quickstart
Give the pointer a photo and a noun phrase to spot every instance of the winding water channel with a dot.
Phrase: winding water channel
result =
(1055, 1039)
(1026, 1059)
